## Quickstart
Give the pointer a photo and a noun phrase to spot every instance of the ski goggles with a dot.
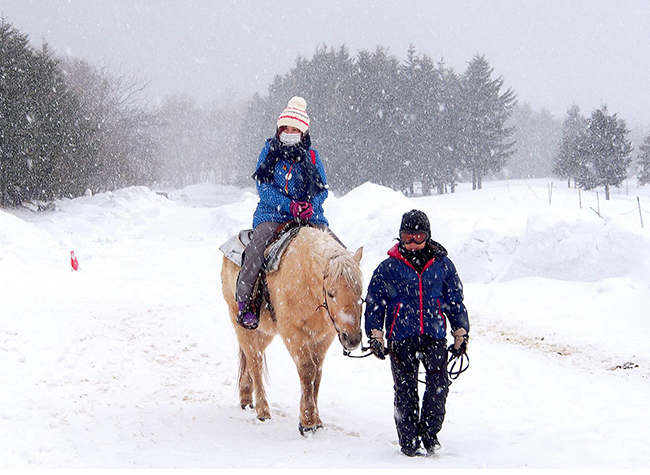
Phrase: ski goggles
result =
(417, 238)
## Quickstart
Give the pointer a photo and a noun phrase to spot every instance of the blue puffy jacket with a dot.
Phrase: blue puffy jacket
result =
(407, 303)
(276, 196)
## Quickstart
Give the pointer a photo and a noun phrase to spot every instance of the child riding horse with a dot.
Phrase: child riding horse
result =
(291, 184)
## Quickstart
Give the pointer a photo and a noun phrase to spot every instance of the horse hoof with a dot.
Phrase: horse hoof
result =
(304, 430)
(244, 406)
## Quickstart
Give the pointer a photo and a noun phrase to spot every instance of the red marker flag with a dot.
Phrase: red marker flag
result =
(73, 261)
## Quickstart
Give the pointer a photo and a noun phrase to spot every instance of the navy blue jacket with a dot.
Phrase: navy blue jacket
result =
(407, 303)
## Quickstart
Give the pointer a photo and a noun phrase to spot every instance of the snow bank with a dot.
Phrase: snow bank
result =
(132, 362)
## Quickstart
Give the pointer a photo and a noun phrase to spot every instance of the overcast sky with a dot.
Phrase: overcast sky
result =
(551, 52)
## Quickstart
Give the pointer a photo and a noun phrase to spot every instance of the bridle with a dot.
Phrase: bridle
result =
(326, 306)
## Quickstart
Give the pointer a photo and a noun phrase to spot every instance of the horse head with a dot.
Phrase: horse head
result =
(343, 287)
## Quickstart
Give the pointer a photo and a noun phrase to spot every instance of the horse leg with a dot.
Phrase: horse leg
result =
(245, 382)
(309, 418)
(310, 370)
(254, 355)
(317, 378)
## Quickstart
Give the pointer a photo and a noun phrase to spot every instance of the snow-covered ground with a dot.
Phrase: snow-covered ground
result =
(131, 362)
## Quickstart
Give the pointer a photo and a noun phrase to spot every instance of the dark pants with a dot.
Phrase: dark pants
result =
(412, 423)
(254, 257)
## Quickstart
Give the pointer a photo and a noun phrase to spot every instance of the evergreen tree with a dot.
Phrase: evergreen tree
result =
(607, 149)
(570, 160)
(485, 111)
(59, 164)
(412, 96)
(450, 151)
(644, 162)
(326, 83)
(377, 152)
(41, 125)
(354, 109)
(422, 133)
(16, 60)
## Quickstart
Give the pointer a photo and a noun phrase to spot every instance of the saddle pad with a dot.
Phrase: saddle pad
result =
(275, 250)
(234, 248)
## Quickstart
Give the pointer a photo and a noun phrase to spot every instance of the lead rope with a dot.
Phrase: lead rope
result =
(458, 357)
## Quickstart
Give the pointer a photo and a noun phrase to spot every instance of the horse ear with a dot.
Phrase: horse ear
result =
(358, 255)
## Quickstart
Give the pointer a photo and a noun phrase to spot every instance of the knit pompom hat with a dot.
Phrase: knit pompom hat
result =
(295, 115)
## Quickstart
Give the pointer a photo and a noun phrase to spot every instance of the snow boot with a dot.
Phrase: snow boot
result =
(433, 446)
(412, 449)
(246, 318)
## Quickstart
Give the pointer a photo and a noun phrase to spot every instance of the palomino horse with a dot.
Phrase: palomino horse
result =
(315, 294)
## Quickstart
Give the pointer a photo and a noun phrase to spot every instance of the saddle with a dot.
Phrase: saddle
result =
(234, 249)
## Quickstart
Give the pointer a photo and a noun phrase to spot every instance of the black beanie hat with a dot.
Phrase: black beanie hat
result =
(415, 221)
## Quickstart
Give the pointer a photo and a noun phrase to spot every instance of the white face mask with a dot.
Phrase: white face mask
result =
(290, 139)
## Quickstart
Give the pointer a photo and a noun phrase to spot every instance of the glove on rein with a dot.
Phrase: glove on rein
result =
(307, 210)
(460, 340)
(377, 344)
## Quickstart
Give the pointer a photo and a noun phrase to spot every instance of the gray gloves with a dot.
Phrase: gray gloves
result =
(460, 341)
(377, 344)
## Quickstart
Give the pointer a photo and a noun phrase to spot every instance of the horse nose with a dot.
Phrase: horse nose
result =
(351, 342)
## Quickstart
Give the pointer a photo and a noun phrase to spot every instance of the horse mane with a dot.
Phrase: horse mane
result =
(338, 261)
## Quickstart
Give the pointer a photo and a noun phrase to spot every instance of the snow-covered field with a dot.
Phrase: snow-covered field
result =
(131, 362)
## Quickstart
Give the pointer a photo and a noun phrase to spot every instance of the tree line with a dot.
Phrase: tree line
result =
(67, 127)
(377, 119)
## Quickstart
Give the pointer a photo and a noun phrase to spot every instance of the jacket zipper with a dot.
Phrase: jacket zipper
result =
(421, 305)
(395, 314)
(421, 292)
(442, 315)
